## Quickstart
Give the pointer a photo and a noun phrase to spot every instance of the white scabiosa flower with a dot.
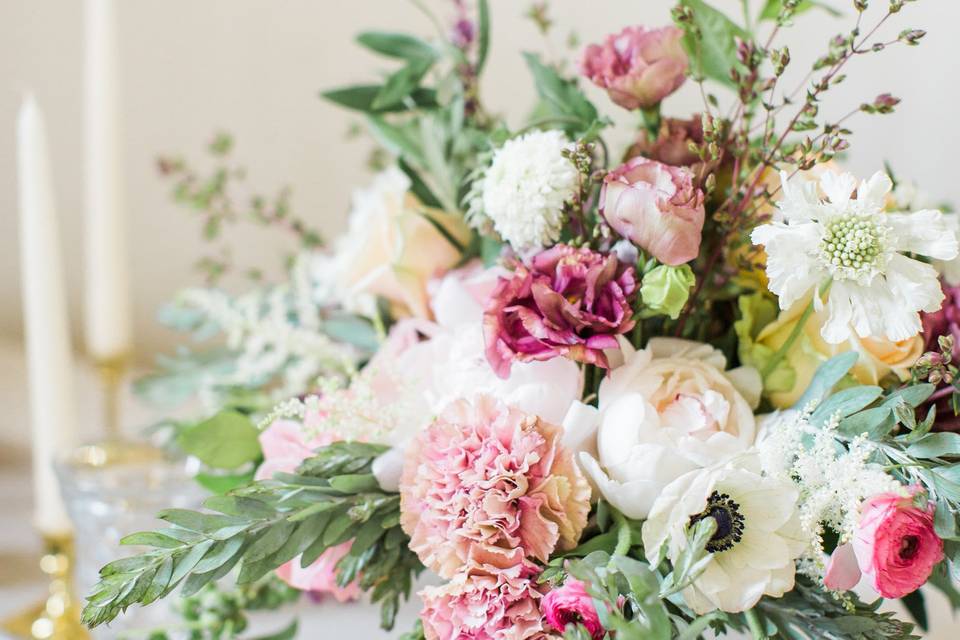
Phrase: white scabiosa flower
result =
(526, 187)
(756, 542)
(848, 241)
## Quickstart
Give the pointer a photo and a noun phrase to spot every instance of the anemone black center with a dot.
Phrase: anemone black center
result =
(730, 522)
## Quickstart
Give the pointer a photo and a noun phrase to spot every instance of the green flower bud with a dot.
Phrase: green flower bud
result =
(665, 290)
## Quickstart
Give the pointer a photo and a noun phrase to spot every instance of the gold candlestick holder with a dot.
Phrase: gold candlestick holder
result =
(57, 617)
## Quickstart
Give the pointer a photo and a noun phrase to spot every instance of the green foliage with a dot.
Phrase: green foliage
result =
(825, 379)
(564, 104)
(710, 42)
(227, 440)
(810, 612)
(361, 97)
(757, 310)
(626, 594)
(332, 499)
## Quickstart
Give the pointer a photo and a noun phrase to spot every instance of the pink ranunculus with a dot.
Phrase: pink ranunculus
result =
(571, 604)
(638, 67)
(672, 144)
(656, 207)
(570, 302)
(284, 448)
(487, 484)
(894, 547)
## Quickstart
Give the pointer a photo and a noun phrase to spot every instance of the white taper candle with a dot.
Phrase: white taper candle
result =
(107, 299)
(46, 325)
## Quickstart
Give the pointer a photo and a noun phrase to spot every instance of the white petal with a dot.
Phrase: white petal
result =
(838, 187)
(836, 329)
(662, 347)
(633, 499)
(792, 265)
(872, 193)
(914, 284)
(748, 382)
(926, 232)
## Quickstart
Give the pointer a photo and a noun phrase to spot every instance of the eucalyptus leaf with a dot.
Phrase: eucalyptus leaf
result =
(827, 376)
(936, 445)
(844, 403)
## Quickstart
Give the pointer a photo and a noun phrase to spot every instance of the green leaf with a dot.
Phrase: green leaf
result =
(826, 377)
(401, 84)
(914, 395)
(397, 139)
(397, 45)
(222, 483)
(355, 483)
(226, 441)
(876, 423)
(361, 97)
(936, 445)
(845, 403)
(917, 607)
(483, 34)
(351, 329)
(714, 53)
(151, 539)
(288, 633)
(562, 96)
(773, 7)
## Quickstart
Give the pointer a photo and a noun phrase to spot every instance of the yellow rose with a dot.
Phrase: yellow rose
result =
(878, 358)
(395, 245)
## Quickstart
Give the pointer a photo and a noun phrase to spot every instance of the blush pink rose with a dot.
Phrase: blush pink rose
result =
(571, 604)
(656, 207)
(284, 448)
(895, 547)
(638, 67)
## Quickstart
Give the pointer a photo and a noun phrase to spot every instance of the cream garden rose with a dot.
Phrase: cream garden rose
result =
(394, 246)
(667, 410)
(878, 359)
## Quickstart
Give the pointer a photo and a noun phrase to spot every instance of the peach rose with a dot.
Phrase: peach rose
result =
(393, 246)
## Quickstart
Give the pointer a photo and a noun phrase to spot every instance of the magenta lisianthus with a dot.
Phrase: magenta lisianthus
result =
(656, 207)
(571, 604)
(489, 485)
(894, 547)
(638, 67)
(570, 302)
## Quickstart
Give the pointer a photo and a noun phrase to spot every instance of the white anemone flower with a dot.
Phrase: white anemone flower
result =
(757, 540)
(527, 186)
(850, 245)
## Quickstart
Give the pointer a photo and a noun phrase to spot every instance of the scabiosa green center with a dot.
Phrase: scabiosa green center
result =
(853, 246)
(730, 522)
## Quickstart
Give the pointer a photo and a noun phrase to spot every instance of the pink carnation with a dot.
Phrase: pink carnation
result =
(479, 605)
(570, 302)
(489, 485)
(894, 547)
(571, 604)
(638, 67)
(284, 448)
(656, 207)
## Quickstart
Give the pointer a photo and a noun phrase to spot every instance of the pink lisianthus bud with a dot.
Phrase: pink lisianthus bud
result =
(895, 547)
(656, 207)
(571, 604)
(638, 67)
(570, 302)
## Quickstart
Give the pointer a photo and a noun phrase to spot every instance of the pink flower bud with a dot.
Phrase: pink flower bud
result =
(571, 604)
(656, 207)
(638, 67)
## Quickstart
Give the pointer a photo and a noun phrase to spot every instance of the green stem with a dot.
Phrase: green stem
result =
(756, 627)
(623, 534)
(651, 121)
(781, 353)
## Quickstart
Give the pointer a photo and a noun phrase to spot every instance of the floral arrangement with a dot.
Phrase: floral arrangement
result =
(707, 386)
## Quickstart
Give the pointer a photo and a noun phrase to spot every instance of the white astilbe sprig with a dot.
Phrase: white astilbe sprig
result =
(357, 409)
(275, 332)
(834, 478)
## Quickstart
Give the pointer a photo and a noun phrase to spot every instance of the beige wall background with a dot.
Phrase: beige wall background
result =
(254, 67)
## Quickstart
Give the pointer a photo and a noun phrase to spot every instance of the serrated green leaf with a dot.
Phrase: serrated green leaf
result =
(226, 441)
